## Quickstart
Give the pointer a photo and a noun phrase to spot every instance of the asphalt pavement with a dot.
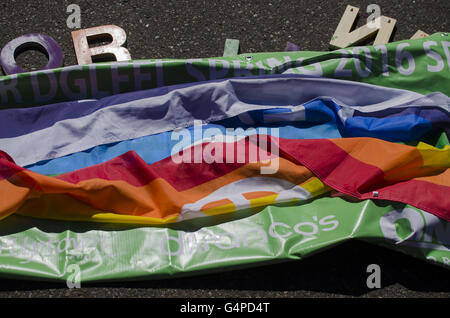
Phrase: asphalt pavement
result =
(198, 28)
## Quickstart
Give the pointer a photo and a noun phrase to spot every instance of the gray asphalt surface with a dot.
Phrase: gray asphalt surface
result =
(198, 28)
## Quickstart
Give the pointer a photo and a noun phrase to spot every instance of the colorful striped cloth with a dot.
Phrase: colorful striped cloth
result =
(348, 109)
(113, 159)
(127, 189)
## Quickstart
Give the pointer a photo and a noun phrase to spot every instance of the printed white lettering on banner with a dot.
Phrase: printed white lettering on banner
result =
(433, 55)
(425, 228)
(43, 86)
(187, 243)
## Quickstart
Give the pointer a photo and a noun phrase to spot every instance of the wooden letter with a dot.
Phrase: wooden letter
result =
(231, 47)
(84, 52)
(419, 34)
(25, 42)
(343, 36)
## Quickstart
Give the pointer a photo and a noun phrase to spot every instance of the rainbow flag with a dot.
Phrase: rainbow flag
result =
(131, 188)
(128, 189)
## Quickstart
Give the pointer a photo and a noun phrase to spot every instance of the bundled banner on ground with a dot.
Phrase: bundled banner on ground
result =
(219, 172)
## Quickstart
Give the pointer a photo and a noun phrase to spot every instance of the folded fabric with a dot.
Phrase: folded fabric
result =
(218, 177)
(47, 132)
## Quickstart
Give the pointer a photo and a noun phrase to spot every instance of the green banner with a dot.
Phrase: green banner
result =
(420, 65)
(48, 249)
